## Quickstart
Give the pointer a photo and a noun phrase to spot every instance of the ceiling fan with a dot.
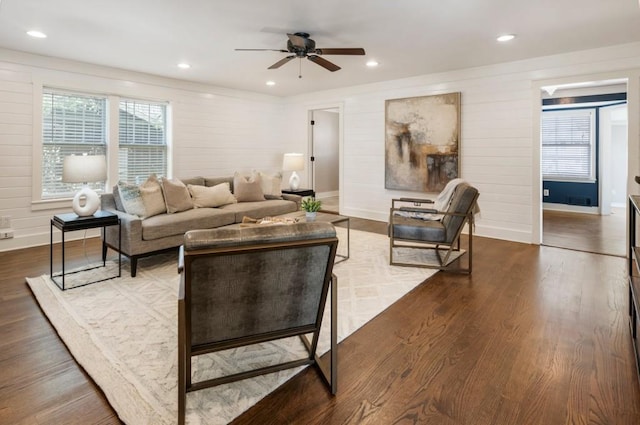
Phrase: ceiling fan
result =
(301, 46)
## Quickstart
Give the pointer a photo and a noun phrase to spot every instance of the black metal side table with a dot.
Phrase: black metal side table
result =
(300, 192)
(69, 222)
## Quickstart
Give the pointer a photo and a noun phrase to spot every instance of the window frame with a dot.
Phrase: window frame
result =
(39, 85)
(593, 146)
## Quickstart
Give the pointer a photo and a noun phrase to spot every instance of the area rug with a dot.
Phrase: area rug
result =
(123, 333)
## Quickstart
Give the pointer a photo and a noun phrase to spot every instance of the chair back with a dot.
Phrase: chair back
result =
(254, 284)
(462, 204)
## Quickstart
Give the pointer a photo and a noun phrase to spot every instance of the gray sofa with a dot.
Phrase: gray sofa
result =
(143, 237)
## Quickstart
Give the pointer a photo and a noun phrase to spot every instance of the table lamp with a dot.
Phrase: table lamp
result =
(85, 169)
(293, 162)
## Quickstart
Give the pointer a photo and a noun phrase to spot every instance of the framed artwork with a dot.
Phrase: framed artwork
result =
(422, 137)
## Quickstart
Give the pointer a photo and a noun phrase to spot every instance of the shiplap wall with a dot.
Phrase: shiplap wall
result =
(215, 131)
(499, 139)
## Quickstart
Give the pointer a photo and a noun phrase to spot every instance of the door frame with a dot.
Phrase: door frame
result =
(320, 107)
(633, 132)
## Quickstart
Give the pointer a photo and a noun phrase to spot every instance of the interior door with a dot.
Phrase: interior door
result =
(324, 149)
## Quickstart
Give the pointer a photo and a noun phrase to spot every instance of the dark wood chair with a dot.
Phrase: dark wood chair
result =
(242, 286)
(413, 225)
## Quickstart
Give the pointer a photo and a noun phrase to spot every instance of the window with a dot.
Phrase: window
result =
(568, 145)
(71, 124)
(77, 123)
(143, 140)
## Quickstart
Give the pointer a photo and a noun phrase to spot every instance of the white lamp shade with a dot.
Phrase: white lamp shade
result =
(84, 169)
(293, 162)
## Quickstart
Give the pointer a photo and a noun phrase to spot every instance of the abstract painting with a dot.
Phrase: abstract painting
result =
(422, 136)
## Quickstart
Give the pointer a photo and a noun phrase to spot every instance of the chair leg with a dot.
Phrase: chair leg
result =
(334, 334)
(182, 365)
(134, 265)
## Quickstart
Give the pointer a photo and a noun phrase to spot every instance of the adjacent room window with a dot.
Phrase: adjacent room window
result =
(71, 124)
(78, 123)
(143, 140)
(568, 145)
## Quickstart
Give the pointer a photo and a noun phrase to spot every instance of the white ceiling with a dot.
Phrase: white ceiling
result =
(407, 37)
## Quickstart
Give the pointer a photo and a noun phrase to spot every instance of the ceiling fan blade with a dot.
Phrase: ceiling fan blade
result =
(261, 50)
(323, 63)
(297, 41)
(281, 62)
(341, 51)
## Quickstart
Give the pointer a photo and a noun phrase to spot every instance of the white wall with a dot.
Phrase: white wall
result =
(499, 138)
(215, 131)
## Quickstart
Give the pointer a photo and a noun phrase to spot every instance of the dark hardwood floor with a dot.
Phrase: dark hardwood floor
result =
(537, 335)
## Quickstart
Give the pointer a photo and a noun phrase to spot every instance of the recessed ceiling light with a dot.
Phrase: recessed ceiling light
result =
(36, 34)
(271, 83)
(506, 37)
(372, 64)
(184, 65)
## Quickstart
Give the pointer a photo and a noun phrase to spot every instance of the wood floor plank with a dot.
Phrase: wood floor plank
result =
(537, 335)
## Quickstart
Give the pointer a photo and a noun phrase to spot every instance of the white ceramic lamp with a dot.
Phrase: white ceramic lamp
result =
(293, 162)
(85, 169)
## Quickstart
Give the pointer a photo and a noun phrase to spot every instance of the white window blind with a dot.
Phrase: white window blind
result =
(71, 124)
(568, 145)
(143, 140)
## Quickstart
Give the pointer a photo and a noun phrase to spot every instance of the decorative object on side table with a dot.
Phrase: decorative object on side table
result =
(293, 162)
(85, 169)
(311, 206)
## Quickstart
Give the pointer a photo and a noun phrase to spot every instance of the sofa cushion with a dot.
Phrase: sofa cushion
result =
(260, 209)
(164, 225)
(176, 196)
(131, 198)
(214, 181)
(198, 181)
(152, 197)
(271, 185)
(247, 189)
(213, 196)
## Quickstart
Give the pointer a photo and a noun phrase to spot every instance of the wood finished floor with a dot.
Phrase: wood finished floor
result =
(602, 234)
(537, 335)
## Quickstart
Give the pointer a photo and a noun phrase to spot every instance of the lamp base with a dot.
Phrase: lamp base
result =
(91, 202)
(294, 181)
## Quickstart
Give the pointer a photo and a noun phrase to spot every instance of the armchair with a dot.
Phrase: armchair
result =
(420, 227)
(243, 286)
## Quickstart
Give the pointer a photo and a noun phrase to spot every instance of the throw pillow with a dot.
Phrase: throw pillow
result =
(152, 197)
(176, 195)
(214, 196)
(131, 199)
(117, 200)
(271, 185)
(247, 189)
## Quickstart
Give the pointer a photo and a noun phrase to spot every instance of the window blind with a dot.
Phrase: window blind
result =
(143, 140)
(568, 144)
(71, 124)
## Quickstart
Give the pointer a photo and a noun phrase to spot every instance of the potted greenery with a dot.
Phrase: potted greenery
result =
(311, 206)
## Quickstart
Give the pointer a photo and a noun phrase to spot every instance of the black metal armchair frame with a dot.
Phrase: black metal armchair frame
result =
(439, 235)
(269, 252)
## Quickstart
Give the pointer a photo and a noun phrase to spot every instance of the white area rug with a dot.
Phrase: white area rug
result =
(124, 333)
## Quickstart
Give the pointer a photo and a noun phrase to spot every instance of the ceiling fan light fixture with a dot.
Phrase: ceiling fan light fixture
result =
(372, 63)
(505, 37)
(36, 34)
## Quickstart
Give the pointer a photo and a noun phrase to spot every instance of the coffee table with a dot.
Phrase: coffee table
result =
(326, 218)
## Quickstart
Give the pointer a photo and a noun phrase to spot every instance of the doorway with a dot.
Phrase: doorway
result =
(585, 212)
(324, 148)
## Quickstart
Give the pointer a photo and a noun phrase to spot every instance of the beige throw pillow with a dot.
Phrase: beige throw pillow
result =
(214, 196)
(152, 197)
(247, 189)
(271, 185)
(176, 196)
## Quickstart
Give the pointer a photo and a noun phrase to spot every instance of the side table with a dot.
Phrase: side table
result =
(69, 222)
(300, 192)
